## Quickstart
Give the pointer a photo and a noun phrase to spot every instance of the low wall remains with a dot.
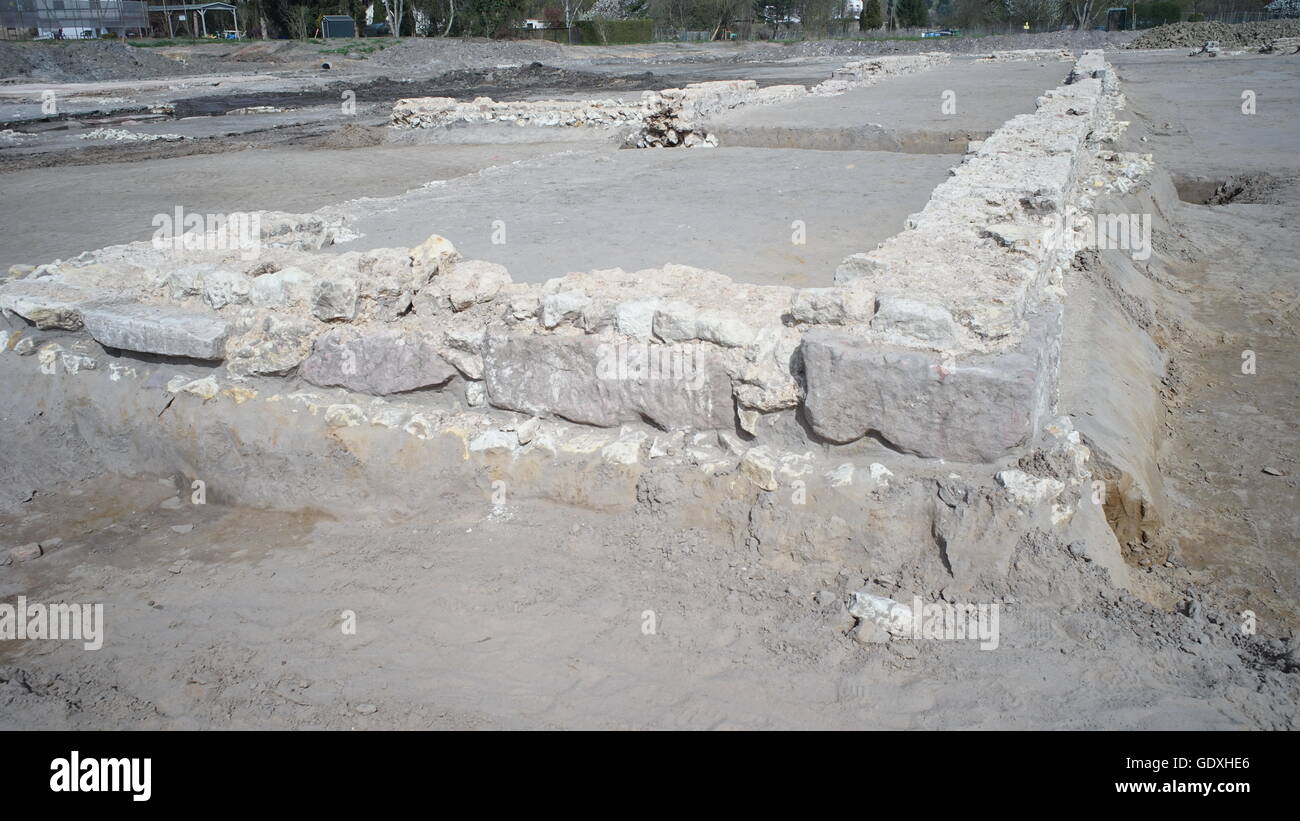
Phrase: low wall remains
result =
(667, 119)
(942, 343)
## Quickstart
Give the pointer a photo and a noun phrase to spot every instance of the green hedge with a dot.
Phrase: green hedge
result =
(615, 31)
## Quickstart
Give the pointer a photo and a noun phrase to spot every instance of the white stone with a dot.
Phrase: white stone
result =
(759, 466)
(894, 617)
(566, 305)
(494, 440)
(841, 476)
(674, 321)
(206, 388)
(343, 416)
(723, 328)
(1029, 490)
(636, 318)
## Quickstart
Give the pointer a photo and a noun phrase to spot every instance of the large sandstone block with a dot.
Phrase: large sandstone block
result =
(377, 362)
(972, 409)
(593, 381)
(157, 329)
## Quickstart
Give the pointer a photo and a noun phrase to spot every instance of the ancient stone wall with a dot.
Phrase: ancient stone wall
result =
(665, 119)
(943, 342)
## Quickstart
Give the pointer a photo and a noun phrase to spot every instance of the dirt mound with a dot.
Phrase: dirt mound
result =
(84, 61)
(350, 136)
(1184, 35)
(1260, 189)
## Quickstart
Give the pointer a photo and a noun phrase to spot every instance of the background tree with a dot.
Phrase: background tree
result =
(912, 13)
(1040, 14)
(1080, 12)
(870, 19)
(719, 14)
(302, 21)
(395, 13)
(491, 18)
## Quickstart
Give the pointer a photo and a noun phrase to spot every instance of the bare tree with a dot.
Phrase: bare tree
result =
(300, 21)
(395, 9)
(721, 13)
(571, 10)
(1081, 10)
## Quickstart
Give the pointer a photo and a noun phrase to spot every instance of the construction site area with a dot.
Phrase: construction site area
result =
(456, 383)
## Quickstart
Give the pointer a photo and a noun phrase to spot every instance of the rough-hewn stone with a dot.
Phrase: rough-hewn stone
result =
(598, 382)
(376, 362)
(976, 408)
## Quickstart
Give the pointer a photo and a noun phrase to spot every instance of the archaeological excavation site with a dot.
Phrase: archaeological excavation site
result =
(436, 382)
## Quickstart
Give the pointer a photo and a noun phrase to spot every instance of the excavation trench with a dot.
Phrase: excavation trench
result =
(859, 138)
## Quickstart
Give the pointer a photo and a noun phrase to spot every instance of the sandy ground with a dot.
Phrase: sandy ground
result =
(736, 212)
(60, 212)
(1230, 431)
(753, 198)
(530, 614)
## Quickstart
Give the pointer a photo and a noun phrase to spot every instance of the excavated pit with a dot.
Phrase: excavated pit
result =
(1243, 188)
(992, 430)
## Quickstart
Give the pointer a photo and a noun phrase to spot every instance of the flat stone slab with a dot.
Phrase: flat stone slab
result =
(378, 363)
(596, 381)
(157, 329)
(47, 305)
(972, 409)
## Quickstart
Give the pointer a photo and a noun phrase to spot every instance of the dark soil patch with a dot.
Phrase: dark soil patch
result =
(518, 83)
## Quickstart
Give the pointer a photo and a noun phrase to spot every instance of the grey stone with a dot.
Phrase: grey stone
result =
(222, 288)
(566, 305)
(187, 280)
(597, 315)
(590, 381)
(469, 364)
(377, 362)
(827, 306)
(26, 552)
(47, 305)
(472, 281)
(635, 318)
(928, 323)
(277, 346)
(280, 288)
(855, 266)
(675, 321)
(975, 409)
(723, 328)
(334, 298)
(158, 329)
